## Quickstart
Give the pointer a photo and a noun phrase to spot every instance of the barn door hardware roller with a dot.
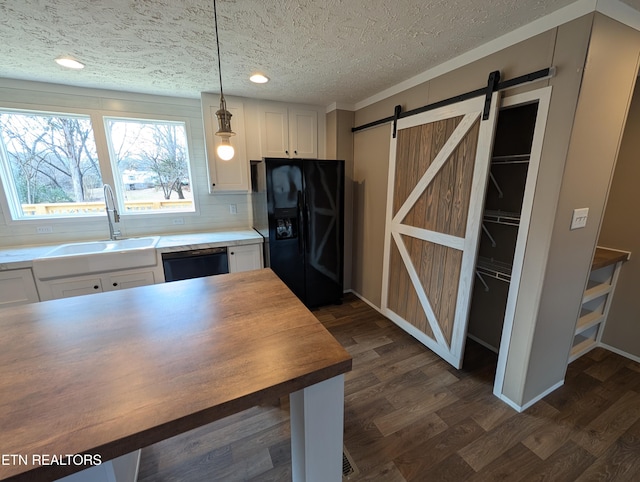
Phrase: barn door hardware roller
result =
(493, 85)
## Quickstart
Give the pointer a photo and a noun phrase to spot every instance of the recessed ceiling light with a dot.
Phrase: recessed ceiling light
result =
(70, 63)
(258, 79)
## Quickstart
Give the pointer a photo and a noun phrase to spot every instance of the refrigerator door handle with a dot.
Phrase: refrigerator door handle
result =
(307, 220)
(300, 223)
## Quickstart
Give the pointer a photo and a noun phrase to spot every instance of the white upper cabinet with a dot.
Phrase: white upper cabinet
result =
(232, 175)
(288, 132)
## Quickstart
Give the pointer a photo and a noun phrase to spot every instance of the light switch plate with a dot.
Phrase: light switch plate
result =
(579, 219)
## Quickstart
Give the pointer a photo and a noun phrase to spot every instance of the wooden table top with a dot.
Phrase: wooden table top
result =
(113, 372)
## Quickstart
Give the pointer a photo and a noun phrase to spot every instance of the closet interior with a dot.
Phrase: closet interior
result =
(502, 212)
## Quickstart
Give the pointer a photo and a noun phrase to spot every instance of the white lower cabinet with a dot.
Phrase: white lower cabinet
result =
(17, 287)
(122, 281)
(84, 285)
(245, 258)
(66, 288)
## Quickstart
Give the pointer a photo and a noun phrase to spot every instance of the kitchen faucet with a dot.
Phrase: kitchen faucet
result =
(109, 199)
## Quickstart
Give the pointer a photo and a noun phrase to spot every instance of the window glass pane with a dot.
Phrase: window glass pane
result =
(50, 165)
(151, 164)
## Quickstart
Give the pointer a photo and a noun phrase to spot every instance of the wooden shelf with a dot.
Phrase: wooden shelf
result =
(596, 300)
(605, 257)
(595, 290)
(588, 319)
(582, 344)
(502, 217)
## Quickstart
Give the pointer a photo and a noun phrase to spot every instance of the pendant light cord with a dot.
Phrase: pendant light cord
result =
(215, 21)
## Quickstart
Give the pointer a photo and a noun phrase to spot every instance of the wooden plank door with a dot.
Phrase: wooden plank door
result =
(438, 170)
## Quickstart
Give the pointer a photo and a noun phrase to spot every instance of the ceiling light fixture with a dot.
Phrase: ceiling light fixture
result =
(259, 79)
(225, 149)
(69, 62)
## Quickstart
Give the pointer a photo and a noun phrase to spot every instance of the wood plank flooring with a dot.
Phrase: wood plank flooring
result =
(411, 417)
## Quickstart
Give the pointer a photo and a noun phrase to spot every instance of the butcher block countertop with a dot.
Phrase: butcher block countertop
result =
(113, 372)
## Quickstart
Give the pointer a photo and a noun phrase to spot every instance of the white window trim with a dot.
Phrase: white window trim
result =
(98, 117)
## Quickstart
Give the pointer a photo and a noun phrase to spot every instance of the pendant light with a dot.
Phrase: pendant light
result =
(225, 150)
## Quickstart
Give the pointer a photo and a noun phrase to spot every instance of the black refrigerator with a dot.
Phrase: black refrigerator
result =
(298, 207)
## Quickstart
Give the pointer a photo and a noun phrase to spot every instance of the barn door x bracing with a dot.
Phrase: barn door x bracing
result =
(438, 170)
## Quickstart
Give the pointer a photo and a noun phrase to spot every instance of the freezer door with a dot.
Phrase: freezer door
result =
(285, 206)
(323, 230)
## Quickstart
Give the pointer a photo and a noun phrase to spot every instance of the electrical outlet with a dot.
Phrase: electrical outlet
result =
(233, 209)
(178, 221)
(44, 229)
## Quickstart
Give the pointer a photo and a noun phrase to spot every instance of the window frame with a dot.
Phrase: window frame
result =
(106, 164)
(118, 186)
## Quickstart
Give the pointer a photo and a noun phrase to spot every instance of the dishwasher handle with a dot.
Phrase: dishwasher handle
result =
(190, 253)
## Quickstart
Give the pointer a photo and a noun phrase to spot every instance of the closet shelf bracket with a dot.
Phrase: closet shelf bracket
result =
(495, 183)
(486, 231)
(484, 283)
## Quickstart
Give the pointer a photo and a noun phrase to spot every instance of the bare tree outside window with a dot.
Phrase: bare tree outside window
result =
(49, 165)
(152, 164)
(52, 159)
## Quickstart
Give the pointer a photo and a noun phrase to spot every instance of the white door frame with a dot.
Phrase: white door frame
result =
(543, 97)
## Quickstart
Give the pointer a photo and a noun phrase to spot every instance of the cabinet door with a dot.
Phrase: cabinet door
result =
(274, 130)
(231, 175)
(17, 287)
(245, 258)
(303, 133)
(128, 280)
(77, 287)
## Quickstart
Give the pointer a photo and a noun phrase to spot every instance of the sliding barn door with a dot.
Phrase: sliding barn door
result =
(438, 171)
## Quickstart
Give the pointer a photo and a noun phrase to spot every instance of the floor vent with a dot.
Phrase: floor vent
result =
(349, 469)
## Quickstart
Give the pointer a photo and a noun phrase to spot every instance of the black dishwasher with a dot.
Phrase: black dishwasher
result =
(194, 263)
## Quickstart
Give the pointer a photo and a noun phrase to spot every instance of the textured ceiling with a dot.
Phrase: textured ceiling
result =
(316, 52)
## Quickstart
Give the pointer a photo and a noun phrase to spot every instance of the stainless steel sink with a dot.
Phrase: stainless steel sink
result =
(90, 257)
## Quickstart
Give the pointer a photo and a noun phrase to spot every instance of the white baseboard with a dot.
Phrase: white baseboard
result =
(522, 408)
(619, 352)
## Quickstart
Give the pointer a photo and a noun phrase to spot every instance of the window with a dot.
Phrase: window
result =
(49, 164)
(151, 164)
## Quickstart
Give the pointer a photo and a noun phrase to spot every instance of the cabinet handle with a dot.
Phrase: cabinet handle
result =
(115, 284)
(95, 287)
(286, 152)
(295, 152)
(232, 252)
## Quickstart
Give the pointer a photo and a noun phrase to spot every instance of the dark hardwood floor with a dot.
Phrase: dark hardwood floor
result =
(411, 417)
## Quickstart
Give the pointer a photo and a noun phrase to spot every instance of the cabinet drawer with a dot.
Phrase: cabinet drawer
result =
(67, 289)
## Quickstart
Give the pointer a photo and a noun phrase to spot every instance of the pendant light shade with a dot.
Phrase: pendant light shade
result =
(225, 150)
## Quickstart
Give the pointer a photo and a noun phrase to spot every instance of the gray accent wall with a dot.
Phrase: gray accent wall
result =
(621, 230)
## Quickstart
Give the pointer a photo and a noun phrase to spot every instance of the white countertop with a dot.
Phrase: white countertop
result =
(21, 257)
